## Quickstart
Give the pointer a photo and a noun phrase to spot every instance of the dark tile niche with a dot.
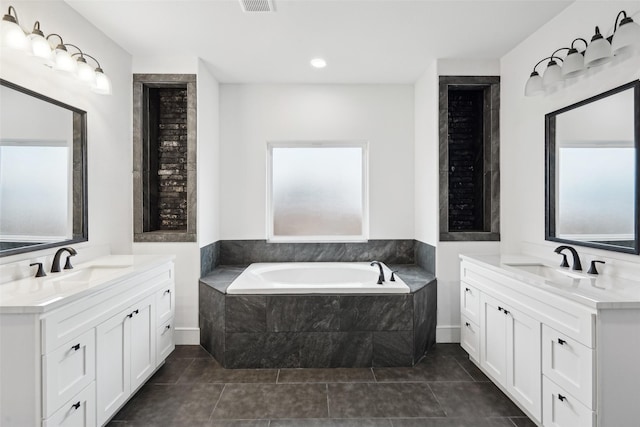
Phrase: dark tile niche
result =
(466, 157)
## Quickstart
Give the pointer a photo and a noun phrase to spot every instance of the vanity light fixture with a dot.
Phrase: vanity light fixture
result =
(54, 55)
(318, 63)
(13, 37)
(624, 41)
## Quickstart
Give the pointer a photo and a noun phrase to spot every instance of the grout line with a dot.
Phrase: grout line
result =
(437, 401)
(375, 380)
(217, 401)
(328, 408)
(277, 380)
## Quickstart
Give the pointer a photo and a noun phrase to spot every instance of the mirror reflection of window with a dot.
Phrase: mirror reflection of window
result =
(36, 180)
(596, 170)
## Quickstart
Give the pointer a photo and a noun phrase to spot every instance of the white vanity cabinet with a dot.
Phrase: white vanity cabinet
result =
(566, 358)
(77, 362)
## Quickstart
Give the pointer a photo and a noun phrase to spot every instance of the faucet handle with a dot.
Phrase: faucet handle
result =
(67, 264)
(40, 272)
(592, 268)
(564, 262)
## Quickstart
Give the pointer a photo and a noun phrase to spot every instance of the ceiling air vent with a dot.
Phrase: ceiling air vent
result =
(257, 5)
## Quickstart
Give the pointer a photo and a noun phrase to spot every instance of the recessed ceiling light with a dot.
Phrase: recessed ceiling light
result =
(318, 63)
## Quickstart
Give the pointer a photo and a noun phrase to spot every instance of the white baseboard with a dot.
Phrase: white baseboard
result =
(448, 333)
(187, 336)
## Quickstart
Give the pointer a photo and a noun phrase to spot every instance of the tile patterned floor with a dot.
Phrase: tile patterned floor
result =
(444, 390)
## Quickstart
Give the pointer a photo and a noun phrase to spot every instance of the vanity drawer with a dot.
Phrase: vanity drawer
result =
(470, 338)
(165, 303)
(569, 364)
(165, 342)
(79, 411)
(561, 409)
(470, 302)
(67, 370)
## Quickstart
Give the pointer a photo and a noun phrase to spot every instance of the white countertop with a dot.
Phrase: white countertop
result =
(42, 294)
(594, 291)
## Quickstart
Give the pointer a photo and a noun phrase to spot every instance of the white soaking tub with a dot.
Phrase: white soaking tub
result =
(315, 278)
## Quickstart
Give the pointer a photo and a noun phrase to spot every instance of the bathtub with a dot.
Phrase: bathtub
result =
(315, 278)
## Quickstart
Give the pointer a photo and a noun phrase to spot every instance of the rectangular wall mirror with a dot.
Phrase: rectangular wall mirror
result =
(592, 179)
(43, 166)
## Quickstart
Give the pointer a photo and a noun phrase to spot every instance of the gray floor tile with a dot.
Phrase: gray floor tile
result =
(171, 371)
(452, 422)
(471, 368)
(375, 400)
(446, 349)
(210, 371)
(174, 423)
(165, 404)
(263, 401)
(522, 422)
(431, 368)
(189, 352)
(240, 423)
(330, 375)
(474, 399)
(331, 423)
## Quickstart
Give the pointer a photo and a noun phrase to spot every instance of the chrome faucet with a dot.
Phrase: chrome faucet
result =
(576, 258)
(55, 265)
(381, 277)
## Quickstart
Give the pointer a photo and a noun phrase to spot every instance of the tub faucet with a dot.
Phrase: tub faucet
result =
(576, 258)
(55, 265)
(381, 277)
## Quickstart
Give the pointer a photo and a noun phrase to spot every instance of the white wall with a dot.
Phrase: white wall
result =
(251, 115)
(426, 165)
(522, 122)
(208, 157)
(108, 119)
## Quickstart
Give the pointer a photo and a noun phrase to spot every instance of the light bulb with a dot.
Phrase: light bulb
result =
(85, 73)
(626, 38)
(64, 61)
(598, 52)
(102, 84)
(13, 37)
(534, 85)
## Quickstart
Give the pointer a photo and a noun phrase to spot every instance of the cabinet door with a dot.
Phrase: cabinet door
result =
(78, 412)
(524, 373)
(165, 303)
(470, 338)
(113, 348)
(470, 302)
(143, 341)
(493, 338)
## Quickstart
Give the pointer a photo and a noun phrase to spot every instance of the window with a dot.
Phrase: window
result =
(317, 191)
(469, 158)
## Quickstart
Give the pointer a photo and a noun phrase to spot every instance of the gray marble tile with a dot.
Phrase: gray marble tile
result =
(170, 372)
(211, 318)
(376, 313)
(414, 276)
(434, 368)
(453, 422)
(172, 423)
(522, 422)
(262, 350)
(372, 400)
(332, 375)
(316, 349)
(245, 313)
(331, 423)
(425, 256)
(351, 349)
(222, 276)
(393, 348)
(209, 258)
(272, 401)
(447, 349)
(303, 313)
(156, 403)
(210, 371)
(474, 399)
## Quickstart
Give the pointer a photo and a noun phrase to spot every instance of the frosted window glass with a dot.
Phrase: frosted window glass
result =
(35, 191)
(317, 191)
(596, 193)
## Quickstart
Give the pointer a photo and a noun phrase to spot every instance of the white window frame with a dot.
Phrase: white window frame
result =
(364, 145)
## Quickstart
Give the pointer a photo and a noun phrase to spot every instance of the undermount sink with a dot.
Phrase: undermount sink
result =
(547, 272)
(87, 274)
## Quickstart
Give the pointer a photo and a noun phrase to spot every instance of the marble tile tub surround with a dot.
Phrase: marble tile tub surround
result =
(317, 331)
(245, 252)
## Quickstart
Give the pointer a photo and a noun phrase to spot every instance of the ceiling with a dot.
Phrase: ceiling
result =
(367, 41)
